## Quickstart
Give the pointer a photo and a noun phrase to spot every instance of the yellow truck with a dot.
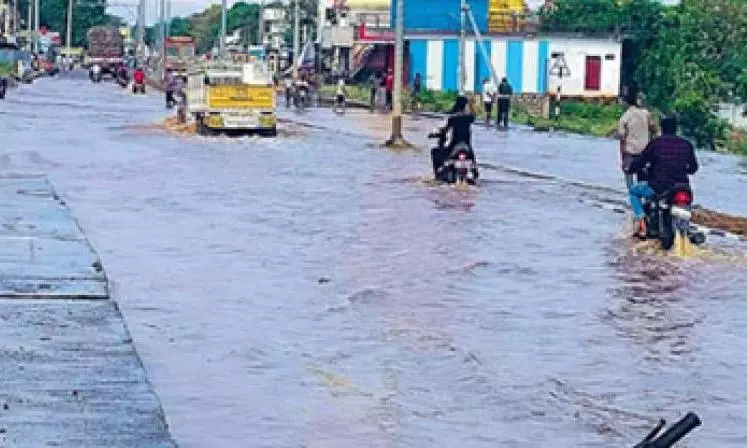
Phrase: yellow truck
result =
(229, 97)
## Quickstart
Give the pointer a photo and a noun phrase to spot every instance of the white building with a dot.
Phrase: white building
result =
(276, 23)
(580, 67)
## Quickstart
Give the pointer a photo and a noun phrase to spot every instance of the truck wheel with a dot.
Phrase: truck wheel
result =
(273, 132)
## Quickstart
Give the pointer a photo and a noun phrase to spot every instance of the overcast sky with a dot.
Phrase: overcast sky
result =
(187, 7)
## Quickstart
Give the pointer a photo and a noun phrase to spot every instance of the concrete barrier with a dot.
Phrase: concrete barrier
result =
(71, 375)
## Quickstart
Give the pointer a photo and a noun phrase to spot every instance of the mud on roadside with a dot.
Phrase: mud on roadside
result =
(717, 220)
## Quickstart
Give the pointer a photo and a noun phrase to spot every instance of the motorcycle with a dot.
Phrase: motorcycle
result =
(457, 166)
(123, 80)
(299, 99)
(95, 74)
(340, 105)
(671, 436)
(138, 87)
(668, 216)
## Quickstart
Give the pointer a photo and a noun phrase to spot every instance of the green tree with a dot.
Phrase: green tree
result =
(687, 58)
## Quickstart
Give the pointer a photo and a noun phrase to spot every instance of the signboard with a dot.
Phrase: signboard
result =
(338, 36)
(365, 34)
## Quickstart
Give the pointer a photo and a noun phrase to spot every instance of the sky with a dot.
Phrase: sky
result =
(187, 7)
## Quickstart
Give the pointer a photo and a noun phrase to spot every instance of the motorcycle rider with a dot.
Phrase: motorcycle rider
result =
(458, 127)
(122, 72)
(635, 130)
(169, 83)
(340, 93)
(670, 160)
(138, 78)
(303, 89)
(288, 84)
(95, 72)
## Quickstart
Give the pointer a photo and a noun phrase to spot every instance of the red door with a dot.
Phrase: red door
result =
(593, 73)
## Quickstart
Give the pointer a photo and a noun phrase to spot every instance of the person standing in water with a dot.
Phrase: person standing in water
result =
(488, 96)
(505, 91)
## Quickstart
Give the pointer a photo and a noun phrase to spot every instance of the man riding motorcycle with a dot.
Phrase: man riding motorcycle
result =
(458, 128)
(138, 78)
(670, 160)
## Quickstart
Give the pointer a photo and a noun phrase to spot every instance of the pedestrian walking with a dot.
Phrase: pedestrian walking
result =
(489, 91)
(505, 92)
(389, 84)
(373, 86)
(417, 86)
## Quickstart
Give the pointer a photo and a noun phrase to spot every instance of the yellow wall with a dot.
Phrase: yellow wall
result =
(499, 14)
(372, 5)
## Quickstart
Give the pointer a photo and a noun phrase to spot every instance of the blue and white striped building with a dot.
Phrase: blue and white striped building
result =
(592, 66)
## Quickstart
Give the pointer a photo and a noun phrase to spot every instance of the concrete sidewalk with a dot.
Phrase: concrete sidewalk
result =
(70, 374)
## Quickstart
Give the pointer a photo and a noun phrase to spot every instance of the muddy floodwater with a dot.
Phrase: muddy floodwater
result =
(313, 291)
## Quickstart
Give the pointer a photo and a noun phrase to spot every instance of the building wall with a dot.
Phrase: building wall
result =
(575, 52)
(440, 15)
(525, 62)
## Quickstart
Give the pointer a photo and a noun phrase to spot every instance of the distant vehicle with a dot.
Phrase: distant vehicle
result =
(180, 50)
(232, 97)
(105, 48)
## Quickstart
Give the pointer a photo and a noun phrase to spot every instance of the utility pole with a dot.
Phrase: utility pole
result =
(6, 14)
(397, 140)
(36, 26)
(261, 28)
(140, 51)
(461, 72)
(16, 18)
(321, 17)
(69, 33)
(29, 24)
(167, 24)
(223, 27)
(296, 37)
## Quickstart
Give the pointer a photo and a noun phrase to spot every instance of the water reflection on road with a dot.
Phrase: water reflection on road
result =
(310, 291)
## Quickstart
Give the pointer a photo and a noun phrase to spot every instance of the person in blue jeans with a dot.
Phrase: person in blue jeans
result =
(670, 160)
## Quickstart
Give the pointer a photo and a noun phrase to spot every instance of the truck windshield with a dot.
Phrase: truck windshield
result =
(172, 52)
(188, 52)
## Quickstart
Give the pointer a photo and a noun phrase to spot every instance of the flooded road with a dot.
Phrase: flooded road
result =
(313, 291)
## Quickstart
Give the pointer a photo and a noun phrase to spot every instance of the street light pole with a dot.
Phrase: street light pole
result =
(29, 23)
(462, 44)
(223, 27)
(36, 26)
(140, 51)
(69, 33)
(397, 140)
(296, 37)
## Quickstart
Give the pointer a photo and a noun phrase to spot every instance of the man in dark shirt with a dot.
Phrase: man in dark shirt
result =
(505, 91)
(671, 159)
(458, 129)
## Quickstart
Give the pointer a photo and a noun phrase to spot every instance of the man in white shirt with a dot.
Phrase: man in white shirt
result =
(635, 129)
(489, 90)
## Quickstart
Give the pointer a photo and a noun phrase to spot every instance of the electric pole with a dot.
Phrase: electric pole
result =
(462, 44)
(16, 18)
(296, 37)
(223, 28)
(69, 33)
(140, 51)
(36, 26)
(6, 14)
(397, 140)
(167, 24)
(29, 24)
(261, 28)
